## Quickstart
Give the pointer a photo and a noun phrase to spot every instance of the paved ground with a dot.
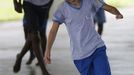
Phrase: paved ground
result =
(118, 35)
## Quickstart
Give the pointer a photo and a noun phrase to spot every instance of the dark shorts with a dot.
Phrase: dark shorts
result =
(35, 17)
(96, 64)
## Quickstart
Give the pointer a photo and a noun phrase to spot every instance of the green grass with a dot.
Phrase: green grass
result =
(120, 3)
(7, 12)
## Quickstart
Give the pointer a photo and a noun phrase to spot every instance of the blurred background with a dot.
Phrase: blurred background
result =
(118, 36)
(7, 12)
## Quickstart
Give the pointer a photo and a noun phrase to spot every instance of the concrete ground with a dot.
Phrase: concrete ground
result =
(118, 36)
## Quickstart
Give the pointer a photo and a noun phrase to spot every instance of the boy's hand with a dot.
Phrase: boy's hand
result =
(17, 6)
(113, 10)
(120, 16)
(47, 58)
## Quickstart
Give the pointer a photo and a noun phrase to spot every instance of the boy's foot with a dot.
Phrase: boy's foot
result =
(46, 73)
(16, 67)
(30, 60)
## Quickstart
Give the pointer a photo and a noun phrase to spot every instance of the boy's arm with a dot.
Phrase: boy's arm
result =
(17, 6)
(113, 10)
(51, 38)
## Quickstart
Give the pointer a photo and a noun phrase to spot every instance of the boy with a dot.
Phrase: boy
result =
(88, 49)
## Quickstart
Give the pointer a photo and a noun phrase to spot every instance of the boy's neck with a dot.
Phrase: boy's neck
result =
(75, 3)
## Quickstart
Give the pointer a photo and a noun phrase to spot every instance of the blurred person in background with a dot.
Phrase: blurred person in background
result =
(36, 13)
(99, 20)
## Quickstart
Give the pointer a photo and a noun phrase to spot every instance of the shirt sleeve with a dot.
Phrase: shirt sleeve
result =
(58, 16)
(96, 5)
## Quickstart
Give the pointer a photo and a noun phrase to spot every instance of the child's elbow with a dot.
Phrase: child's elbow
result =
(109, 8)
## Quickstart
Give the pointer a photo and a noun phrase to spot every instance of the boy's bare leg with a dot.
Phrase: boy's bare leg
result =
(37, 51)
(31, 57)
(17, 65)
(43, 41)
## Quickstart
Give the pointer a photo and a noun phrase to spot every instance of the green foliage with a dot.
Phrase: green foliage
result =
(120, 3)
(7, 12)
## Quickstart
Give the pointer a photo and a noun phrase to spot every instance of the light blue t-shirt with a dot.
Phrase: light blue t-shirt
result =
(84, 39)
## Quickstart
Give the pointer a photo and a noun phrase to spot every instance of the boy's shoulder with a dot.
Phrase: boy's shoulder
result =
(62, 5)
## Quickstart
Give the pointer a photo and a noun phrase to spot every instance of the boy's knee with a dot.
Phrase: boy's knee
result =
(29, 38)
(34, 37)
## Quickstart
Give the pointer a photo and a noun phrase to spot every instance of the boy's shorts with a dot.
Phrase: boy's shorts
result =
(35, 17)
(96, 64)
